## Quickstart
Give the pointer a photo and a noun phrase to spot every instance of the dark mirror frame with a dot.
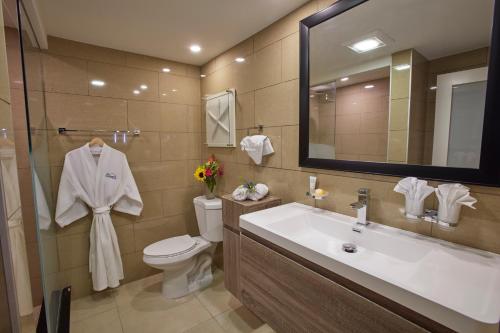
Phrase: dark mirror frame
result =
(488, 173)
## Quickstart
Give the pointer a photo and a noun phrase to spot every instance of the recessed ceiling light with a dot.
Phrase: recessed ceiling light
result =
(240, 59)
(366, 45)
(143, 86)
(174, 90)
(136, 92)
(164, 94)
(402, 67)
(97, 83)
(344, 79)
(203, 75)
(369, 86)
(165, 70)
(433, 88)
(195, 48)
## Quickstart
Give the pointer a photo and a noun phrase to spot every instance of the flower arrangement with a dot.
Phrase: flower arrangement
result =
(249, 185)
(207, 173)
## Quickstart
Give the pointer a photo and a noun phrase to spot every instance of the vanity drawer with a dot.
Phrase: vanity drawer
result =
(293, 298)
(231, 211)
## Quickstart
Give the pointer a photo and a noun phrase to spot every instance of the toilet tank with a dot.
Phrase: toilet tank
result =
(209, 217)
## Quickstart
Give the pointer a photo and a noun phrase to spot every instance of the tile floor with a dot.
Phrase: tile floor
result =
(139, 307)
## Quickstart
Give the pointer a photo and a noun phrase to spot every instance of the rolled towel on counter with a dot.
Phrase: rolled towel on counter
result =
(260, 192)
(240, 193)
(415, 191)
(451, 198)
(250, 191)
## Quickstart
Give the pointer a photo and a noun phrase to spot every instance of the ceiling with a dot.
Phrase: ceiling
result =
(163, 28)
(435, 28)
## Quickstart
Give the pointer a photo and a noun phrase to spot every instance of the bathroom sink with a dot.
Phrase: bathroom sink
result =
(449, 283)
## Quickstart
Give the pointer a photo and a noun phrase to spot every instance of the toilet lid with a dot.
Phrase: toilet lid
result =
(170, 246)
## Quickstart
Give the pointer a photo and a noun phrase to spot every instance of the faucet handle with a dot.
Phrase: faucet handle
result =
(357, 205)
(363, 196)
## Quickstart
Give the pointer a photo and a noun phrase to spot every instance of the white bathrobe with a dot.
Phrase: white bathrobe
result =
(102, 182)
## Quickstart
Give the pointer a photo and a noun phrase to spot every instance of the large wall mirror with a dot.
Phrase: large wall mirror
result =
(402, 88)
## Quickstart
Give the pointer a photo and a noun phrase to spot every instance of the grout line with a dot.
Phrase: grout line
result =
(109, 97)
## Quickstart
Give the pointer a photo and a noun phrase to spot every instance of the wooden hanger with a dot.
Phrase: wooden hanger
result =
(96, 142)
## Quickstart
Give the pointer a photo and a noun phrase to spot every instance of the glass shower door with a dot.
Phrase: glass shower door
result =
(52, 280)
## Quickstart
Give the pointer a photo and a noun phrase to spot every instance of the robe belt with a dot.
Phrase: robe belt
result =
(101, 210)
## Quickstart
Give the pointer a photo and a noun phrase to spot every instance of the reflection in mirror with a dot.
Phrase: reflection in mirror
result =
(400, 82)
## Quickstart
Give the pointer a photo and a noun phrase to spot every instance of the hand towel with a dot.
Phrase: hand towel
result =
(256, 147)
(451, 198)
(415, 191)
(259, 192)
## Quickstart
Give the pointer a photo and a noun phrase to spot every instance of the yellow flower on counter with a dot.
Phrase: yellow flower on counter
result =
(199, 174)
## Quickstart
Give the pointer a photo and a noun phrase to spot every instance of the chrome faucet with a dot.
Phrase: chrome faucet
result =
(361, 207)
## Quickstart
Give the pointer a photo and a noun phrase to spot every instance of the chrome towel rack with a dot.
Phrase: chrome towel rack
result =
(64, 130)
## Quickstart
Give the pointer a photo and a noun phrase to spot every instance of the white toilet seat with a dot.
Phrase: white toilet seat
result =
(174, 250)
(170, 247)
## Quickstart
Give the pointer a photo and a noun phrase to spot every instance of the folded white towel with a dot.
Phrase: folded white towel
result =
(415, 191)
(240, 193)
(256, 147)
(260, 192)
(451, 198)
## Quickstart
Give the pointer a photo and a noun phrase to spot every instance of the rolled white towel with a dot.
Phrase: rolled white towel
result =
(240, 193)
(260, 192)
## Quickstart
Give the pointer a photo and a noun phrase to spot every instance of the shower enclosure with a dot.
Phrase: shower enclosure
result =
(29, 274)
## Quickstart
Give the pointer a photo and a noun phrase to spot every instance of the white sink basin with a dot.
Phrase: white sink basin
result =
(451, 284)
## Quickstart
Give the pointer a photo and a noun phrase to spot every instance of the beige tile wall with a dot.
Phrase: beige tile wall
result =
(400, 109)
(419, 89)
(322, 117)
(275, 105)
(361, 121)
(162, 158)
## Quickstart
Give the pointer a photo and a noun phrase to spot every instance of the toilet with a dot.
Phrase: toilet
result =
(187, 261)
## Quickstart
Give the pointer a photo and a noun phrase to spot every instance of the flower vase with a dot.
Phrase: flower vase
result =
(210, 193)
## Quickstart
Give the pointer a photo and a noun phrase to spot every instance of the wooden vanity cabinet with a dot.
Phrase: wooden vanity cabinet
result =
(292, 298)
(231, 211)
(231, 254)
